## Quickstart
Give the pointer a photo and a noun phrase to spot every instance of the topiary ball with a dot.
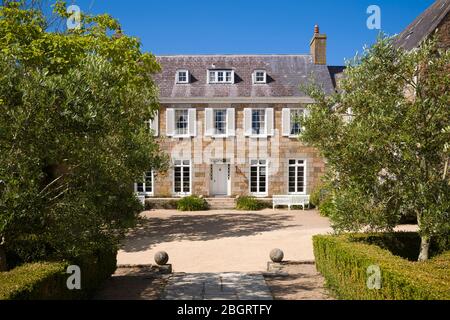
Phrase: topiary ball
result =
(276, 255)
(161, 258)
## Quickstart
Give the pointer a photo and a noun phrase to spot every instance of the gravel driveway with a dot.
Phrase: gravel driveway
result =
(222, 240)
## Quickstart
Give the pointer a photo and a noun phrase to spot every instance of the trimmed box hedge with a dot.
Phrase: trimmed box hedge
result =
(47, 280)
(344, 261)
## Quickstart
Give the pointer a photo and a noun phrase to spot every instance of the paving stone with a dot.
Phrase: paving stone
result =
(220, 286)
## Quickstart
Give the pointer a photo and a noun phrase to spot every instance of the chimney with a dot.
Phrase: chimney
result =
(319, 47)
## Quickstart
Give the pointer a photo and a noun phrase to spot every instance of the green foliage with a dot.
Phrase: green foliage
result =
(321, 198)
(385, 137)
(72, 133)
(47, 280)
(344, 261)
(192, 203)
(250, 204)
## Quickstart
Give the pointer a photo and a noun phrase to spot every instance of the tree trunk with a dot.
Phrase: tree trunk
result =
(425, 248)
(3, 265)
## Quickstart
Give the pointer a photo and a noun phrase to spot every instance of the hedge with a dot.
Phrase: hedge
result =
(47, 280)
(344, 261)
(250, 204)
(192, 203)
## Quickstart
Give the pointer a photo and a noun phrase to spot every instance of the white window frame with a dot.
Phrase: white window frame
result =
(153, 124)
(264, 126)
(215, 133)
(255, 78)
(176, 133)
(291, 110)
(178, 77)
(258, 194)
(182, 193)
(288, 125)
(215, 78)
(305, 178)
(144, 185)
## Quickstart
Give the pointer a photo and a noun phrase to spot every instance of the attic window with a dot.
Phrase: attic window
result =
(260, 77)
(221, 76)
(182, 76)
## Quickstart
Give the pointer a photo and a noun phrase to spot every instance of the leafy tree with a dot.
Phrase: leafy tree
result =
(72, 132)
(386, 136)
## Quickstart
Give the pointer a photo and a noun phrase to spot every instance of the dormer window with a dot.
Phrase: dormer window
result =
(221, 76)
(182, 76)
(260, 77)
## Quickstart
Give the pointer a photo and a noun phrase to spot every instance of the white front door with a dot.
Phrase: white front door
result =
(220, 180)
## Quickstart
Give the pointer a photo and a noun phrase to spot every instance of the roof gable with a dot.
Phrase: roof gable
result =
(423, 26)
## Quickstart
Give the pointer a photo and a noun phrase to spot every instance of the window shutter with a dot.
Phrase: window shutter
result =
(209, 123)
(286, 119)
(247, 122)
(231, 122)
(269, 122)
(170, 122)
(154, 124)
(192, 122)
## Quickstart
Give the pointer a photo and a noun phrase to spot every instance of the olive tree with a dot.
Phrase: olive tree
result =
(386, 136)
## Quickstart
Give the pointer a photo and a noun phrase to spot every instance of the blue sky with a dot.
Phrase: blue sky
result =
(254, 26)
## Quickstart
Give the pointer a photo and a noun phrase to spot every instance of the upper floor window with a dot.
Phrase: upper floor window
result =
(296, 117)
(182, 76)
(260, 77)
(181, 122)
(221, 76)
(292, 121)
(258, 121)
(220, 122)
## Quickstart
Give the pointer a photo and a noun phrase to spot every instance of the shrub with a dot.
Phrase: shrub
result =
(47, 280)
(250, 204)
(344, 261)
(192, 203)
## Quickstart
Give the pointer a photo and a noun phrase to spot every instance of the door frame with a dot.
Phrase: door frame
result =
(226, 163)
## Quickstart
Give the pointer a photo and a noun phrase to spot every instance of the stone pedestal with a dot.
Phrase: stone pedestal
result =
(164, 269)
(274, 266)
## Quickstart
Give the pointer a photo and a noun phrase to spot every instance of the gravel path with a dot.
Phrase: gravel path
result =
(223, 241)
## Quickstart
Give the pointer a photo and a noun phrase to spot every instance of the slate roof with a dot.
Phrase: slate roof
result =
(423, 26)
(285, 73)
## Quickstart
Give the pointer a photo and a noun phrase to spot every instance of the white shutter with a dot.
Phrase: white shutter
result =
(247, 122)
(154, 124)
(269, 122)
(192, 122)
(170, 122)
(286, 120)
(209, 124)
(231, 122)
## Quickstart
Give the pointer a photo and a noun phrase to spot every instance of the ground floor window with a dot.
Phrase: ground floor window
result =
(297, 176)
(182, 177)
(145, 187)
(258, 177)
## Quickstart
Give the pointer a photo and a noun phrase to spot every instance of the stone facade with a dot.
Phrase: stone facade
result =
(443, 32)
(238, 151)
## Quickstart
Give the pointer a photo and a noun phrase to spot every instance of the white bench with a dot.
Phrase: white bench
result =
(291, 200)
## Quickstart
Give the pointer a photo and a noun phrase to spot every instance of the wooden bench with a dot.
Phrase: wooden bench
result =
(291, 200)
